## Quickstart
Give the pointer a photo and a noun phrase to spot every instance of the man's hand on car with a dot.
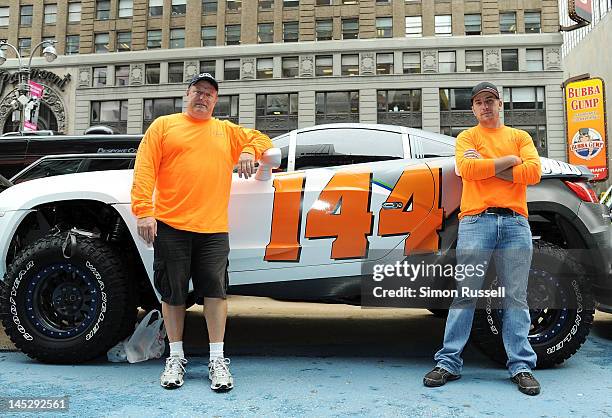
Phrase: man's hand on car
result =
(246, 165)
(147, 228)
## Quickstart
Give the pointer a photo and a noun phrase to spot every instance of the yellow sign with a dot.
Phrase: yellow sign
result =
(585, 117)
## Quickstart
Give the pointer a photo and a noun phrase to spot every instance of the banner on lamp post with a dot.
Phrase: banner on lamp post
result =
(585, 117)
(30, 122)
(36, 90)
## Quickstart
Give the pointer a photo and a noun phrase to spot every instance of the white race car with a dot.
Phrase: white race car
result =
(326, 201)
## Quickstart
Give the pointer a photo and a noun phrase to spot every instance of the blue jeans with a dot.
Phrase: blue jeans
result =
(507, 239)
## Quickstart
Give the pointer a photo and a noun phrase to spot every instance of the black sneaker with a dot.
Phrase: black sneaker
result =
(438, 377)
(526, 383)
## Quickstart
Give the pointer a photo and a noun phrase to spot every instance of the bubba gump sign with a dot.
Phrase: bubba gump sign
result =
(586, 125)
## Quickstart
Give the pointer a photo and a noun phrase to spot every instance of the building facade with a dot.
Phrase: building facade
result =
(289, 64)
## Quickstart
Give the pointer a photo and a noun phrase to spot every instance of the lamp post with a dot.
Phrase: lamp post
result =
(23, 87)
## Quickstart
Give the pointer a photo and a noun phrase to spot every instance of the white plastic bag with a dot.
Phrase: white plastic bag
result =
(117, 353)
(147, 341)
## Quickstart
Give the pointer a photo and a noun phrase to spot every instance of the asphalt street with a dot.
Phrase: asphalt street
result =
(298, 359)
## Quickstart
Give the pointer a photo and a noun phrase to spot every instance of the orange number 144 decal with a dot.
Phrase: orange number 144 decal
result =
(342, 211)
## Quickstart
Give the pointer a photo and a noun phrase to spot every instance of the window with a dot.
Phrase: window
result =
(74, 12)
(455, 99)
(99, 76)
(209, 36)
(443, 25)
(350, 28)
(290, 66)
(152, 73)
(533, 22)
(509, 59)
(25, 44)
(384, 27)
(122, 75)
(179, 7)
(414, 27)
(124, 41)
(291, 3)
(4, 16)
(72, 44)
(350, 64)
(291, 31)
(350, 1)
(507, 22)
(265, 33)
(103, 9)
(112, 113)
(384, 63)
(154, 108)
(208, 66)
(266, 4)
(399, 100)
(154, 39)
(277, 104)
(328, 147)
(175, 72)
(177, 38)
(324, 30)
(156, 7)
(234, 5)
(101, 42)
(412, 62)
(446, 62)
(209, 6)
(521, 98)
(337, 103)
(473, 61)
(126, 8)
(324, 65)
(535, 61)
(265, 67)
(232, 35)
(231, 70)
(25, 15)
(227, 108)
(473, 24)
(324, 2)
(50, 14)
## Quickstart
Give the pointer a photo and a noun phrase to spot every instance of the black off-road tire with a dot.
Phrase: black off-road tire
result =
(67, 310)
(556, 334)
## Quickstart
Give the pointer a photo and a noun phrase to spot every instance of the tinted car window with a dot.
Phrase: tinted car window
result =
(435, 148)
(49, 168)
(282, 142)
(101, 164)
(332, 147)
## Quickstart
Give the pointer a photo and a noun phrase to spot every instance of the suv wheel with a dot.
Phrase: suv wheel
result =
(557, 332)
(67, 305)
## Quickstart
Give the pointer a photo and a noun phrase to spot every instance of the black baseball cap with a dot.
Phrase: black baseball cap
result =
(484, 86)
(204, 76)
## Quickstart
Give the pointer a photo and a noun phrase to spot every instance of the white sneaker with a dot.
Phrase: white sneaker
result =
(172, 377)
(219, 374)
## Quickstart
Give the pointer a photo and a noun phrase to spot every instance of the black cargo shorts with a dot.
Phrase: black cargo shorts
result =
(179, 255)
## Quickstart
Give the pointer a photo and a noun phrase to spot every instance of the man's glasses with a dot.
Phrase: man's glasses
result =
(202, 93)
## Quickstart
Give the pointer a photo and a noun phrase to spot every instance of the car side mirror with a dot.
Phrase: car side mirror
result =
(269, 160)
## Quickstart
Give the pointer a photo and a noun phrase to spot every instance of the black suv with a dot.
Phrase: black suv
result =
(18, 152)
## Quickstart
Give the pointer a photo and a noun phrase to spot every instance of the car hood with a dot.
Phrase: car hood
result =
(105, 186)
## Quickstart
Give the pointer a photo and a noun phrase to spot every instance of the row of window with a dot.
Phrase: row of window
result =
(411, 64)
(326, 103)
(265, 31)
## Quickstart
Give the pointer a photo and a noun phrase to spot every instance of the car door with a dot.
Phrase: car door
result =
(12, 155)
(324, 218)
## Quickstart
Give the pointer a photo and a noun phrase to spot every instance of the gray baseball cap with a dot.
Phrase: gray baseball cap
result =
(484, 86)
(204, 76)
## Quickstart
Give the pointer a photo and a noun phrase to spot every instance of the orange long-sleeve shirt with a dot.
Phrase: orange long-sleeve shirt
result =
(481, 189)
(189, 164)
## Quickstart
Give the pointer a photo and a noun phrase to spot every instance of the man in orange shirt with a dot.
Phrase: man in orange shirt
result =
(496, 164)
(187, 159)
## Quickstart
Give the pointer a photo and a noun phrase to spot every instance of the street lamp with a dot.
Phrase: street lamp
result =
(23, 87)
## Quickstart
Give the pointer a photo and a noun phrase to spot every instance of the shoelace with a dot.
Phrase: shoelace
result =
(176, 364)
(220, 367)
